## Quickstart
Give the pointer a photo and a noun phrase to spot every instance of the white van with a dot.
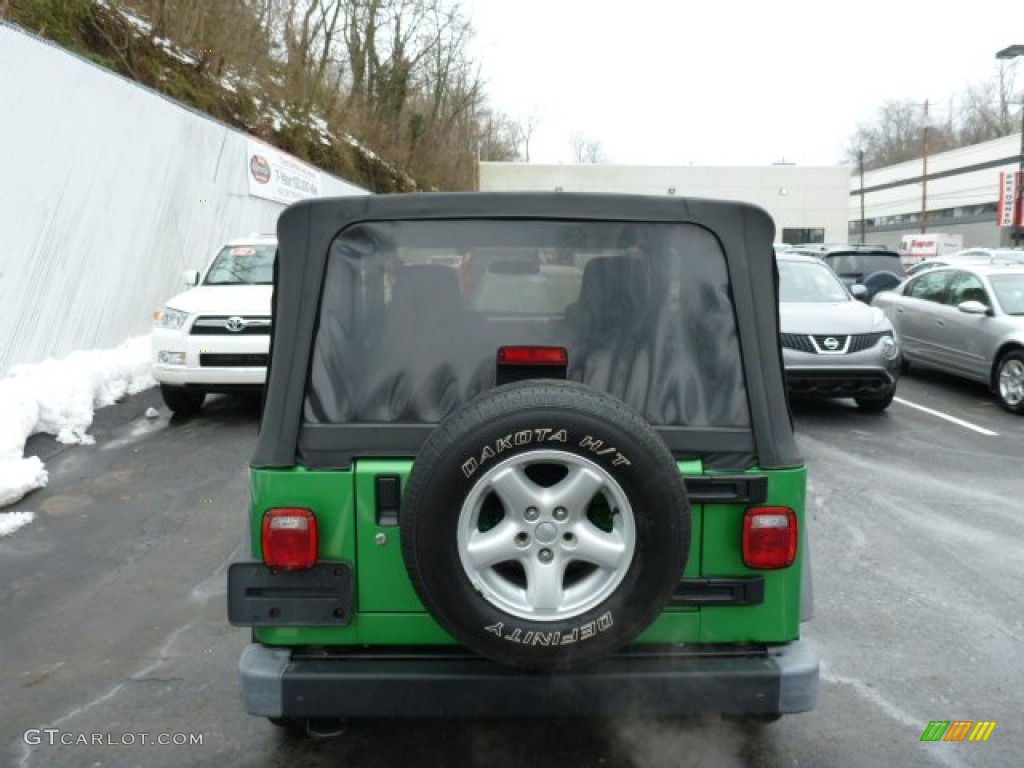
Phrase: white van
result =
(931, 245)
(215, 337)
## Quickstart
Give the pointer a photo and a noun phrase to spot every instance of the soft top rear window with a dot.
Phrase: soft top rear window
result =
(413, 312)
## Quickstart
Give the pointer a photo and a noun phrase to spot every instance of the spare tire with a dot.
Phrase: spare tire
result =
(545, 525)
(880, 280)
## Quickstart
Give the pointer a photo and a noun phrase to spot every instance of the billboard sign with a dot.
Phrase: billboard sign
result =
(276, 175)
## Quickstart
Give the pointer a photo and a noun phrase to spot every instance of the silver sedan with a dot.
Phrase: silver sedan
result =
(966, 320)
(970, 256)
(832, 344)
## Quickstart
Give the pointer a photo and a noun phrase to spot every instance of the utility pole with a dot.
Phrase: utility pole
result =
(860, 163)
(924, 172)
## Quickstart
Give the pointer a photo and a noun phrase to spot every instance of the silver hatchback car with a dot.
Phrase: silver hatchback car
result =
(832, 344)
(966, 320)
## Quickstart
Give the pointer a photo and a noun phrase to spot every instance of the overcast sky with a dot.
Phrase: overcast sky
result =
(745, 82)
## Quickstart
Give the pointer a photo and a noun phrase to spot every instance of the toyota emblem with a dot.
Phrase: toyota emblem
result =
(235, 324)
(831, 343)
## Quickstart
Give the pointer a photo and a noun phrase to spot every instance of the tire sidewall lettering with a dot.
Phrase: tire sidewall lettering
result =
(586, 444)
(552, 637)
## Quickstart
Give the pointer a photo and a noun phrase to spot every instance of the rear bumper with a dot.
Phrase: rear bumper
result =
(781, 680)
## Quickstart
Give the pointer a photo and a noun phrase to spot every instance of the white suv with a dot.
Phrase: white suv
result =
(215, 337)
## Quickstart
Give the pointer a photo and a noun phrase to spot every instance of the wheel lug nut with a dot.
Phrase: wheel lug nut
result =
(531, 513)
(522, 539)
(545, 556)
(561, 513)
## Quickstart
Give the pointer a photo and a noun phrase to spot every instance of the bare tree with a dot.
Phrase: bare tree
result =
(577, 140)
(499, 136)
(525, 129)
(594, 152)
(897, 135)
(586, 149)
(982, 112)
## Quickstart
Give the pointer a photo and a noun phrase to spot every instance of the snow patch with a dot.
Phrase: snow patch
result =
(19, 476)
(172, 50)
(142, 26)
(320, 124)
(59, 397)
(12, 521)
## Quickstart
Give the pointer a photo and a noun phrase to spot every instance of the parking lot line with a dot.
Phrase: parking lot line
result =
(947, 417)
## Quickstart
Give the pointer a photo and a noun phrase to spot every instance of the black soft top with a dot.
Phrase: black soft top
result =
(300, 422)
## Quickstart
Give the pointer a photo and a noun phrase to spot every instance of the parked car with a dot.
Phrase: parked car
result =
(966, 320)
(970, 256)
(832, 344)
(585, 502)
(215, 337)
(875, 267)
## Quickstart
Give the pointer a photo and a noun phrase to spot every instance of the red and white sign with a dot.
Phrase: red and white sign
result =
(276, 175)
(915, 248)
(1009, 183)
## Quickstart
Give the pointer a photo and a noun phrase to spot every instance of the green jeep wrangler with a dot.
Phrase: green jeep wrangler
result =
(524, 454)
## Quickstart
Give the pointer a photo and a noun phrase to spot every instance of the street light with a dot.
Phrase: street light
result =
(1012, 52)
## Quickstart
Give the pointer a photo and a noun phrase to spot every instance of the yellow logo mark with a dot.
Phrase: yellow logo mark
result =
(982, 730)
(958, 730)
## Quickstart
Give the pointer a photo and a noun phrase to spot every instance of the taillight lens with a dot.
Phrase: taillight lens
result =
(769, 537)
(533, 356)
(289, 539)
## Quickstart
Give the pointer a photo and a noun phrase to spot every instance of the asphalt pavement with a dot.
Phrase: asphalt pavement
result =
(112, 607)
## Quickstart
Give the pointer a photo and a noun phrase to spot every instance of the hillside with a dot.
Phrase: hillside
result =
(289, 88)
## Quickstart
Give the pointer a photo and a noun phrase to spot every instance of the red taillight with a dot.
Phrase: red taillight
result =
(769, 537)
(533, 356)
(289, 539)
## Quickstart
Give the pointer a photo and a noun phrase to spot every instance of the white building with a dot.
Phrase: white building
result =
(808, 204)
(814, 203)
(960, 195)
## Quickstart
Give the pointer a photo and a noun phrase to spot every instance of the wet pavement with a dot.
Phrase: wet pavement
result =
(113, 625)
